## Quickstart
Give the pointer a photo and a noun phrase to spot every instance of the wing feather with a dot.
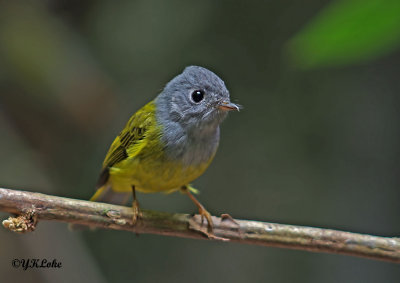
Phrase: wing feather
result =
(130, 141)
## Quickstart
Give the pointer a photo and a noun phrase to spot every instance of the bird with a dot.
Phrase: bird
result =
(167, 143)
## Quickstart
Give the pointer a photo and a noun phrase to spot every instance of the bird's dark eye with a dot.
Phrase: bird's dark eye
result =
(197, 95)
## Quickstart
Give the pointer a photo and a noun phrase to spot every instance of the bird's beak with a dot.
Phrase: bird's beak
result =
(228, 106)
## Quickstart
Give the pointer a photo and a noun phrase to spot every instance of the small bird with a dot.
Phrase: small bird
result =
(167, 143)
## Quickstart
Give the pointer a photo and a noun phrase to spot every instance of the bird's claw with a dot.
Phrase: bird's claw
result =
(205, 214)
(136, 212)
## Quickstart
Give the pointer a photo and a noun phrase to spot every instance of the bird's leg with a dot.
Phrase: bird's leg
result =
(202, 211)
(135, 206)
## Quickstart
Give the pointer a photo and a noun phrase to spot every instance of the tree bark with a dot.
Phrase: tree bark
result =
(33, 207)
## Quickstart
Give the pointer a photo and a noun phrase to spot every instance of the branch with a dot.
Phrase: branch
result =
(32, 207)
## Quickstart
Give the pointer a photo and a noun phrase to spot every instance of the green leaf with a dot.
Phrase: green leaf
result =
(348, 32)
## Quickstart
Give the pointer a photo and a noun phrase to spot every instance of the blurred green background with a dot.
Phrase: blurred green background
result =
(316, 144)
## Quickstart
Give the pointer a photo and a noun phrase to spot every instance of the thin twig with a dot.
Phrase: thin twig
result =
(32, 207)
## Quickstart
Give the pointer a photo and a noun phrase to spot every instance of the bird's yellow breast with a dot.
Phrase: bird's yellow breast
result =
(154, 173)
(148, 167)
(139, 157)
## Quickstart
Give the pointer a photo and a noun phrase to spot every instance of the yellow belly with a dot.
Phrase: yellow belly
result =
(154, 175)
(150, 168)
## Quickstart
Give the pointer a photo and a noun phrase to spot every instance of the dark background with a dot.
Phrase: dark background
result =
(316, 144)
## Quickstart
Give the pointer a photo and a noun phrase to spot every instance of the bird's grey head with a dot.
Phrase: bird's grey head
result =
(197, 98)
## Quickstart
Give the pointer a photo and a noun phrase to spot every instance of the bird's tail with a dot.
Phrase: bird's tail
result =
(105, 193)
(108, 195)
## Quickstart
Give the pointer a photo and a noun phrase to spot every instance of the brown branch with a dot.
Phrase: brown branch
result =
(32, 207)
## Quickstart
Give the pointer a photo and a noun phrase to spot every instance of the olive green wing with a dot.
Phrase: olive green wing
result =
(130, 141)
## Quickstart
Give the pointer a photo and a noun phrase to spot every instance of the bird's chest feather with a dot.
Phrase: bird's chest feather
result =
(176, 159)
(191, 148)
(185, 157)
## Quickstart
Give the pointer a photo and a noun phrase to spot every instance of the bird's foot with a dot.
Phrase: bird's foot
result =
(205, 214)
(226, 216)
(136, 212)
